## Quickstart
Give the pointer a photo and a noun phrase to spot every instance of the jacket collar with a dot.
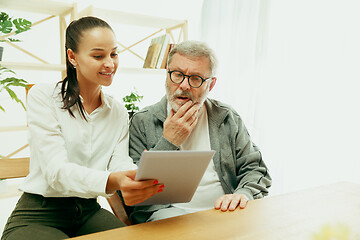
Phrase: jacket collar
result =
(216, 113)
(159, 109)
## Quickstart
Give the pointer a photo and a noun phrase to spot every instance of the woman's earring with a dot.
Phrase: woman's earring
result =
(74, 66)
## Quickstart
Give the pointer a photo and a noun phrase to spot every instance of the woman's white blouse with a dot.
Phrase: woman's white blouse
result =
(70, 156)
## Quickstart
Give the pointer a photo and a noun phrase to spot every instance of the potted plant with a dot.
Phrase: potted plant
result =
(7, 83)
(8, 25)
(130, 102)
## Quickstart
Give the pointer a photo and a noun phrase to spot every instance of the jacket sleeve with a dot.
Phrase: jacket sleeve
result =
(146, 134)
(252, 174)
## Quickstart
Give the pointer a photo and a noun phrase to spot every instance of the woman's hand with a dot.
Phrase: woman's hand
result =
(132, 191)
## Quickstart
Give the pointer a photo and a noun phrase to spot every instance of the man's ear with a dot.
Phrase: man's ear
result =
(212, 83)
(71, 57)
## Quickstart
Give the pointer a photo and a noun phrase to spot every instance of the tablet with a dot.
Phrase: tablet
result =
(179, 171)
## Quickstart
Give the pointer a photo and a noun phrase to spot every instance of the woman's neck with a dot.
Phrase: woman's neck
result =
(91, 96)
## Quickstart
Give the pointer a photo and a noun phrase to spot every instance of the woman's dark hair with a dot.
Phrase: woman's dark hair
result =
(70, 91)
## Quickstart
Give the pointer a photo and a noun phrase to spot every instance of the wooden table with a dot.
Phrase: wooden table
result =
(298, 215)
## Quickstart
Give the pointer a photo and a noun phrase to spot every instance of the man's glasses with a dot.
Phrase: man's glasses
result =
(194, 81)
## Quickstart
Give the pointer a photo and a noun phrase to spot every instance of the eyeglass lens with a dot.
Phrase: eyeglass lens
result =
(178, 77)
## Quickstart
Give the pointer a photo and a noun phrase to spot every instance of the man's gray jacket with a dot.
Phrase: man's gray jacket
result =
(237, 160)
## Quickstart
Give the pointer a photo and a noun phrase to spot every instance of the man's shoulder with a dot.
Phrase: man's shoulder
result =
(146, 110)
(155, 110)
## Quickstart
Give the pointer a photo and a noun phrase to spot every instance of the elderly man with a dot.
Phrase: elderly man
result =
(185, 119)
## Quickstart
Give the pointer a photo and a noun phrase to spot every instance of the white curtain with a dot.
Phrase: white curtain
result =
(291, 70)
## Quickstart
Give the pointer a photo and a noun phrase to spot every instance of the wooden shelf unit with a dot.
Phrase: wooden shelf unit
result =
(53, 9)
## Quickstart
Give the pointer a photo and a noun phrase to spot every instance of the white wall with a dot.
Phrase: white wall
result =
(294, 79)
(309, 96)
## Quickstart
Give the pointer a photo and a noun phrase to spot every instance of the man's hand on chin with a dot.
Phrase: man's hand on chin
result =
(231, 202)
(178, 126)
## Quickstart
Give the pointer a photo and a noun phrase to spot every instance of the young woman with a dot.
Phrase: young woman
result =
(78, 140)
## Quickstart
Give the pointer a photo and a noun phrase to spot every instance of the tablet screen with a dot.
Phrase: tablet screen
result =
(179, 171)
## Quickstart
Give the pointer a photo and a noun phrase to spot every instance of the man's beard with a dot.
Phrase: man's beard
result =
(175, 106)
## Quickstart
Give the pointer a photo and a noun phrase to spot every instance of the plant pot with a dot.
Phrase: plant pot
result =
(131, 114)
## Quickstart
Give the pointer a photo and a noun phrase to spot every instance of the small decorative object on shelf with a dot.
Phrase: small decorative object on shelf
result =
(9, 25)
(130, 102)
(9, 82)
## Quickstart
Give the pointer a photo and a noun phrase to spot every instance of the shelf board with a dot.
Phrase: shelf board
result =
(13, 128)
(132, 18)
(61, 67)
(33, 66)
(38, 6)
(140, 70)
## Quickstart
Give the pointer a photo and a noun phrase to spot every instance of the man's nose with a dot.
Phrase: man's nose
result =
(185, 84)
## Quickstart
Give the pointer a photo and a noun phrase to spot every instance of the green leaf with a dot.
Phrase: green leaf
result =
(6, 26)
(4, 17)
(130, 101)
(4, 70)
(14, 97)
(5, 23)
(11, 93)
(16, 82)
(14, 40)
(21, 25)
(13, 81)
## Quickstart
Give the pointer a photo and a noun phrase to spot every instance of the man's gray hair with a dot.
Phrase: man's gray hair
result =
(192, 49)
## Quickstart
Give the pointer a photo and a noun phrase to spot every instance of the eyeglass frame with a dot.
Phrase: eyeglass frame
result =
(188, 78)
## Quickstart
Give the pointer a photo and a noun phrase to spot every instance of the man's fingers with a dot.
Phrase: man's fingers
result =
(183, 109)
(218, 203)
(194, 122)
(222, 203)
(231, 202)
(234, 203)
(225, 205)
(190, 114)
(243, 202)
(171, 114)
